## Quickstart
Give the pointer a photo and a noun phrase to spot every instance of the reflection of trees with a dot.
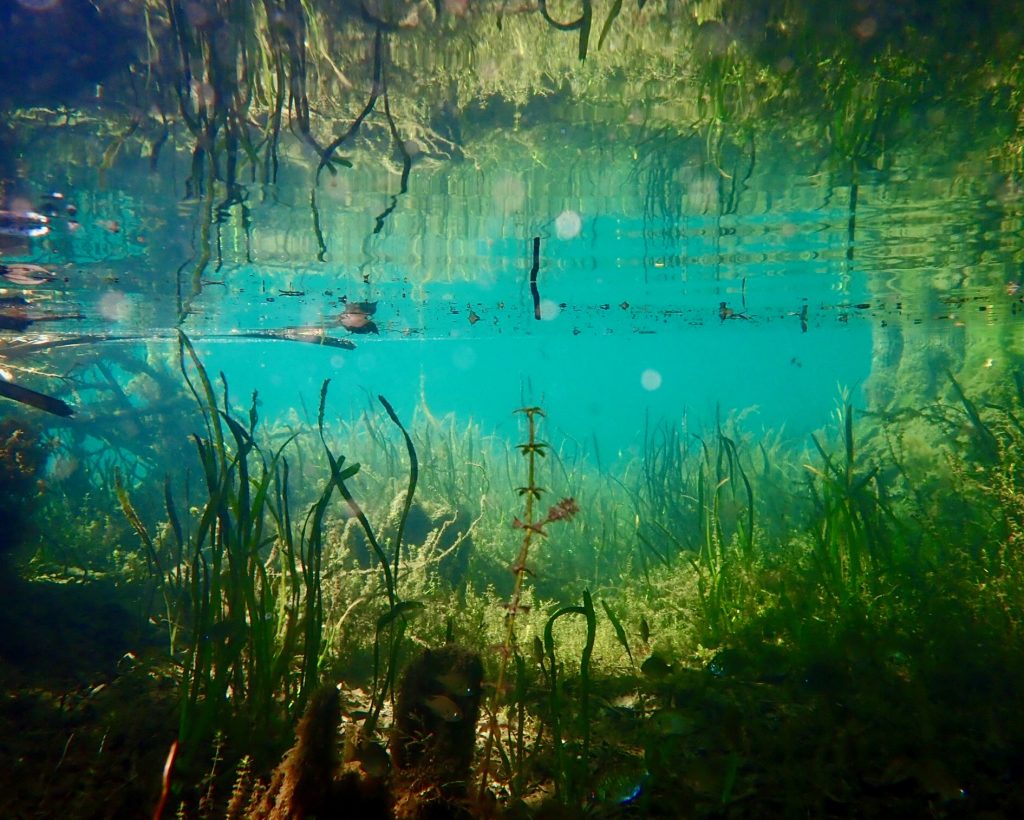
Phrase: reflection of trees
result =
(131, 410)
(403, 82)
(249, 88)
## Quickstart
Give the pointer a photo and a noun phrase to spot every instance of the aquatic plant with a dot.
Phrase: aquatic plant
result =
(237, 625)
(856, 535)
(241, 581)
(23, 453)
(573, 767)
(459, 466)
(532, 527)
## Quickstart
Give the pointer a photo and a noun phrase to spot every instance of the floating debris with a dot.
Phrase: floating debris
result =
(356, 317)
(726, 312)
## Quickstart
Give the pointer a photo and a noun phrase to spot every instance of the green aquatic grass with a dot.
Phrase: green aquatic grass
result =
(850, 597)
(572, 762)
(241, 581)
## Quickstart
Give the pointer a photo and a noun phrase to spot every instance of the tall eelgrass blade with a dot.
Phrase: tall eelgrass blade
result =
(567, 777)
(984, 437)
(339, 477)
(208, 402)
(411, 489)
(620, 633)
(735, 467)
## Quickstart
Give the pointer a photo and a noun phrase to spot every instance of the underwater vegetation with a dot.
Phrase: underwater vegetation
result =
(832, 631)
(207, 612)
(22, 459)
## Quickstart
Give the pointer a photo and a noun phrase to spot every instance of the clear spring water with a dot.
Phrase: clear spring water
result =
(750, 288)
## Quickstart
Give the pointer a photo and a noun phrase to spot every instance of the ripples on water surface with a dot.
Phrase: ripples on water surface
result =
(664, 286)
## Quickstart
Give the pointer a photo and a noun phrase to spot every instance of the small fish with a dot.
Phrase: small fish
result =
(373, 758)
(23, 273)
(26, 224)
(444, 707)
(655, 667)
(645, 631)
(456, 683)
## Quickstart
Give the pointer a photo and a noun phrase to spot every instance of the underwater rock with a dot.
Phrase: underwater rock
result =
(446, 531)
(453, 525)
(435, 732)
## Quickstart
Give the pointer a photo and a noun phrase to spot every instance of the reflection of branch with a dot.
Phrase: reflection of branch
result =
(582, 23)
(320, 244)
(205, 225)
(378, 89)
(534, 292)
(375, 91)
(308, 335)
(406, 165)
(23, 348)
(304, 334)
(40, 401)
(114, 405)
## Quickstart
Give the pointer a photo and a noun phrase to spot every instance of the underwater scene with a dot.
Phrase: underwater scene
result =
(511, 409)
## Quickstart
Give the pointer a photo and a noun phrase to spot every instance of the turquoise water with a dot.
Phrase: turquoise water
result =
(767, 296)
(599, 390)
(644, 318)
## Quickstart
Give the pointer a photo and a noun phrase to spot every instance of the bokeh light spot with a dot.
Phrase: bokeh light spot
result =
(114, 306)
(549, 310)
(650, 379)
(568, 225)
